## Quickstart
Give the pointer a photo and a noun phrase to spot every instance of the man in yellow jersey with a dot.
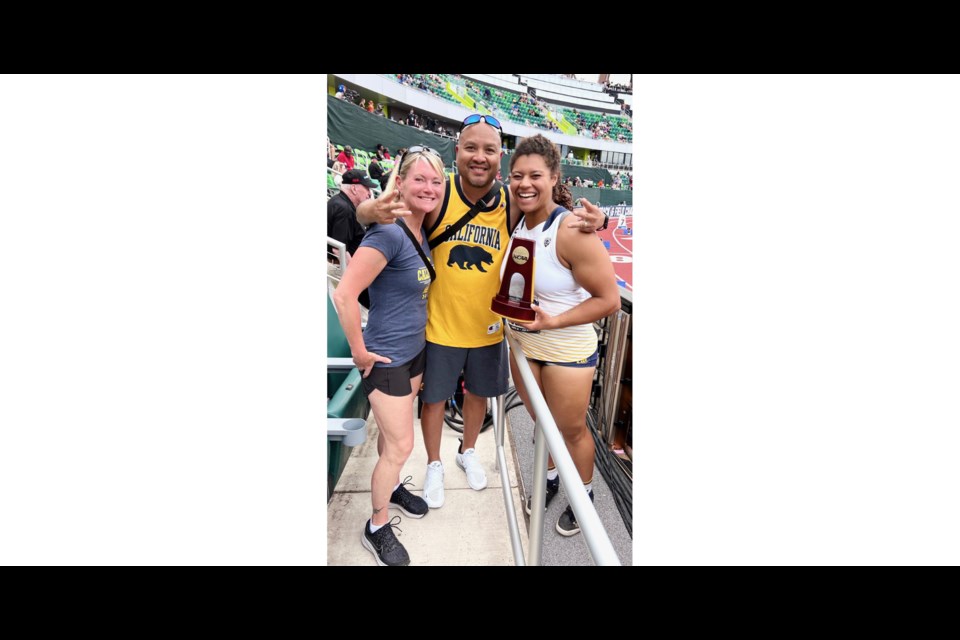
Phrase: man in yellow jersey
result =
(463, 334)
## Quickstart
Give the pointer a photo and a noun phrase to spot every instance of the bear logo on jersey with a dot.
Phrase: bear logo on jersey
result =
(466, 257)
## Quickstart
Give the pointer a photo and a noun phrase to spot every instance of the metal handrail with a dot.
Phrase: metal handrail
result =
(344, 257)
(498, 428)
(548, 436)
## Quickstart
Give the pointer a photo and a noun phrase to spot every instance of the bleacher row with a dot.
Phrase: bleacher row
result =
(362, 162)
(516, 107)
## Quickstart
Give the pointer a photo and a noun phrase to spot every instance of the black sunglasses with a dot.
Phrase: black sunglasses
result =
(476, 118)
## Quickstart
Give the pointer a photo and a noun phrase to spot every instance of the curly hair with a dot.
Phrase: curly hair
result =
(538, 145)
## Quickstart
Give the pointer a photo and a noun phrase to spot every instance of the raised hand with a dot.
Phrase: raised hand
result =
(386, 208)
(589, 217)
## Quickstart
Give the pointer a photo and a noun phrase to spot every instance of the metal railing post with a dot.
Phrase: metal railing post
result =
(499, 418)
(496, 429)
(548, 437)
(342, 255)
(539, 503)
(499, 426)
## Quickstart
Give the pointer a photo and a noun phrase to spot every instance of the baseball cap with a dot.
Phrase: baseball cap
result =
(356, 176)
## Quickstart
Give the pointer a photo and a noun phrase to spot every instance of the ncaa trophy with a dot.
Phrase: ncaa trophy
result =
(516, 288)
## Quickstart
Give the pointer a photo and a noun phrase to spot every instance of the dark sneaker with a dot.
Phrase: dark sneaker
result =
(384, 545)
(413, 506)
(553, 486)
(567, 522)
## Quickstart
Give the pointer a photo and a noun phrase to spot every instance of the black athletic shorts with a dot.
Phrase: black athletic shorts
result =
(395, 381)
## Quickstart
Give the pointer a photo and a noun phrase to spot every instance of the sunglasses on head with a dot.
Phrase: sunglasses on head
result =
(476, 118)
(420, 149)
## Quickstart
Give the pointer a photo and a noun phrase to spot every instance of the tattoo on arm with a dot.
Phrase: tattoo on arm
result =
(376, 511)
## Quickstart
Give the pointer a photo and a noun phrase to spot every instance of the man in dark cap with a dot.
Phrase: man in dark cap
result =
(342, 222)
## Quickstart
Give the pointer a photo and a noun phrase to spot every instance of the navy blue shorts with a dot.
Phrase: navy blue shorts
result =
(485, 370)
(579, 364)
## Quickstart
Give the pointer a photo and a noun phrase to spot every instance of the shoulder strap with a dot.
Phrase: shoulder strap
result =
(416, 245)
(467, 217)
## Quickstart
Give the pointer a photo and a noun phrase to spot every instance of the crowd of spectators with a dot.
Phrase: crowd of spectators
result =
(522, 108)
(620, 181)
(423, 122)
(626, 88)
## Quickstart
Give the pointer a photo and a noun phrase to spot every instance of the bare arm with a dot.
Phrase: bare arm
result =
(384, 210)
(588, 259)
(365, 266)
(586, 219)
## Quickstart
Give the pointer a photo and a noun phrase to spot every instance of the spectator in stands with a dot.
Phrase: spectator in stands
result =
(380, 110)
(341, 209)
(339, 169)
(342, 222)
(411, 119)
(391, 352)
(331, 153)
(346, 157)
(377, 173)
(340, 93)
(370, 106)
(463, 335)
(574, 286)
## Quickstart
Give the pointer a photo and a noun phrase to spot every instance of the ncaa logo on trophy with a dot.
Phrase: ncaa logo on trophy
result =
(516, 287)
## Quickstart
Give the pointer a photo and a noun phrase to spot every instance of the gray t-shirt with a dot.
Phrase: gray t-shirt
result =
(398, 296)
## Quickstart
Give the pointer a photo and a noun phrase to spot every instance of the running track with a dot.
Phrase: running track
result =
(619, 243)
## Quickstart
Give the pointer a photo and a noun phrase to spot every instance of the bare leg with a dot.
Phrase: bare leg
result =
(567, 390)
(536, 368)
(394, 416)
(474, 411)
(431, 422)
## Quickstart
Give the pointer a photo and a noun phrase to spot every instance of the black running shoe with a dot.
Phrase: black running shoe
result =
(413, 506)
(553, 486)
(384, 545)
(567, 522)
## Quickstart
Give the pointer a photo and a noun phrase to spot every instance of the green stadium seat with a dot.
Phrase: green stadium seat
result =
(345, 397)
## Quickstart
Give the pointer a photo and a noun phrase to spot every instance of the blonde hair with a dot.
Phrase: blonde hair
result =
(402, 168)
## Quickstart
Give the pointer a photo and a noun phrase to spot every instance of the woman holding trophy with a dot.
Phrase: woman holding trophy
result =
(574, 285)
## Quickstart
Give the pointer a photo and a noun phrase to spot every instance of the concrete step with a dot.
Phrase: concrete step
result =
(470, 528)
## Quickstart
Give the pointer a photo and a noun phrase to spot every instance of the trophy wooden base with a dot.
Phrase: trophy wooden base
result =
(515, 310)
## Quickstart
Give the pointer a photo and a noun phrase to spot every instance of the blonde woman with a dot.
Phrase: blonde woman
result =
(390, 353)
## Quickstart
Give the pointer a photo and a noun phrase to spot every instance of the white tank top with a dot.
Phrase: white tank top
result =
(555, 291)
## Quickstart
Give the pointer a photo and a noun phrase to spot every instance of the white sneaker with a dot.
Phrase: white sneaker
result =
(476, 476)
(433, 485)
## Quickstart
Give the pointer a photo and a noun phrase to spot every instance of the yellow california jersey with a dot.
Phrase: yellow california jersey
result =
(468, 271)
